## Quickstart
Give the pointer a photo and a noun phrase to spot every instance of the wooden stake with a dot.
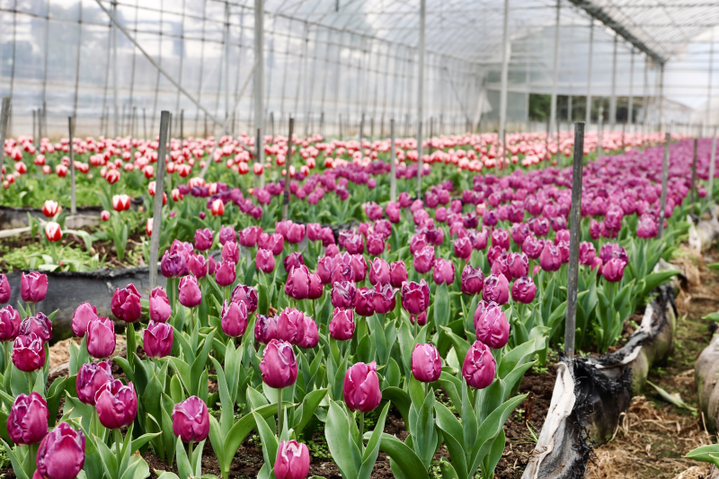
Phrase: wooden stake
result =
(4, 115)
(575, 236)
(157, 207)
(665, 178)
(288, 162)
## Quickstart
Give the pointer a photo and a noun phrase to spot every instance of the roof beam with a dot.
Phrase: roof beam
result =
(598, 13)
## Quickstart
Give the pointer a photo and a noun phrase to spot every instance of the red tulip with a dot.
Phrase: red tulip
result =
(51, 208)
(217, 208)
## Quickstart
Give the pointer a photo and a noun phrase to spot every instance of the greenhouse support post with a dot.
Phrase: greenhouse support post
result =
(613, 95)
(630, 106)
(712, 166)
(665, 177)
(35, 138)
(71, 131)
(392, 174)
(157, 207)
(555, 75)
(505, 73)
(288, 162)
(588, 113)
(600, 133)
(694, 171)
(258, 84)
(4, 114)
(182, 125)
(575, 235)
(420, 91)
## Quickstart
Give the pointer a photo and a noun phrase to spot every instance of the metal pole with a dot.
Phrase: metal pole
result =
(694, 171)
(420, 90)
(588, 115)
(600, 132)
(613, 97)
(182, 125)
(361, 135)
(288, 162)
(4, 115)
(575, 236)
(630, 106)
(392, 174)
(505, 73)
(144, 123)
(71, 129)
(709, 86)
(665, 178)
(34, 138)
(661, 95)
(258, 83)
(555, 76)
(114, 67)
(547, 155)
(157, 207)
(712, 165)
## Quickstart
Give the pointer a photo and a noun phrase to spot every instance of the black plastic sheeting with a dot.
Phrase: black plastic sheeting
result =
(67, 290)
(602, 395)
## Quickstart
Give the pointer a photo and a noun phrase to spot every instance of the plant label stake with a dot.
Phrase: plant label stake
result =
(3, 128)
(73, 202)
(712, 165)
(665, 178)
(392, 174)
(288, 162)
(694, 172)
(157, 207)
(575, 235)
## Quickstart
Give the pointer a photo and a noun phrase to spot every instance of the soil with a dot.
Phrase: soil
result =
(654, 436)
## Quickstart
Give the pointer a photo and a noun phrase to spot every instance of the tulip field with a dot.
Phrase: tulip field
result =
(317, 328)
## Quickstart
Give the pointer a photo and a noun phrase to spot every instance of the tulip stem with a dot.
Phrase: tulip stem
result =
(118, 442)
(361, 428)
(29, 382)
(7, 346)
(279, 412)
(189, 453)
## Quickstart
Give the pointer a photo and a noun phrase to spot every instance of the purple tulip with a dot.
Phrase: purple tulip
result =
(375, 244)
(426, 363)
(463, 248)
(316, 287)
(291, 326)
(279, 365)
(492, 326)
(500, 238)
(203, 239)
(9, 323)
(191, 420)
(189, 292)
(517, 265)
(293, 260)
(613, 270)
(231, 252)
(435, 236)
(479, 366)
(443, 271)
(379, 272)
(359, 267)
(33, 287)
(125, 304)
(520, 232)
(225, 274)
(101, 338)
(249, 236)
(197, 265)
(595, 229)
(342, 324)
(227, 234)
(265, 328)
(28, 353)
(157, 339)
(550, 259)
(61, 454)
(496, 288)
(479, 239)
(174, 262)
(325, 266)
(160, 309)
(38, 324)
(524, 290)
(311, 336)
(295, 233)
(293, 460)
(234, 318)
(90, 378)
(533, 247)
(417, 243)
(472, 280)
(265, 261)
(27, 422)
(116, 404)
(587, 253)
(363, 302)
(4, 289)
(424, 260)
(383, 299)
(343, 294)
(415, 296)
(397, 274)
(298, 283)
(247, 294)
(361, 387)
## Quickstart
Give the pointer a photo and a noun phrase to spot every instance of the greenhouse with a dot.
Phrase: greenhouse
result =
(359, 239)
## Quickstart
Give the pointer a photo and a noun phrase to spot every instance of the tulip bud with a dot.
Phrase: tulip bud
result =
(116, 404)
(496, 288)
(126, 305)
(342, 325)
(291, 326)
(397, 274)
(217, 208)
(443, 271)
(4, 289)
(189, 292)
(293, 260)
(524, 290)
(265, 261)
(246, 294)
(9, 323)
(311, 336)
(363, 302)
(492, 326)
(265, 328)
(33, 287)
(90, 378)
(359, 267)
(101, 338)
(191, 420)
(479, 366)
(383, 298)
(61, 454)
(28, 353)
(51, 208)
(157, 339)
(233, 318)
(613, 270)
(225, 274)
(426, 363)
(343, 294)
(424, 260)
(293, 460)
(298, 282)
(203, 239)
(463, 248)
(27, 422)
(325, 266)
(375, 244)
(379, 272)
(415, 296)
(587, 253)
(361, 387)
(160, 309)
(105, 215)
(83, 314)
(472, 280)
(38, 324)
(279, 365)
(231, 252)
(53, 232)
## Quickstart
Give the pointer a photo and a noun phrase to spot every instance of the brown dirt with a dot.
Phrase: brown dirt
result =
(654, 436)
